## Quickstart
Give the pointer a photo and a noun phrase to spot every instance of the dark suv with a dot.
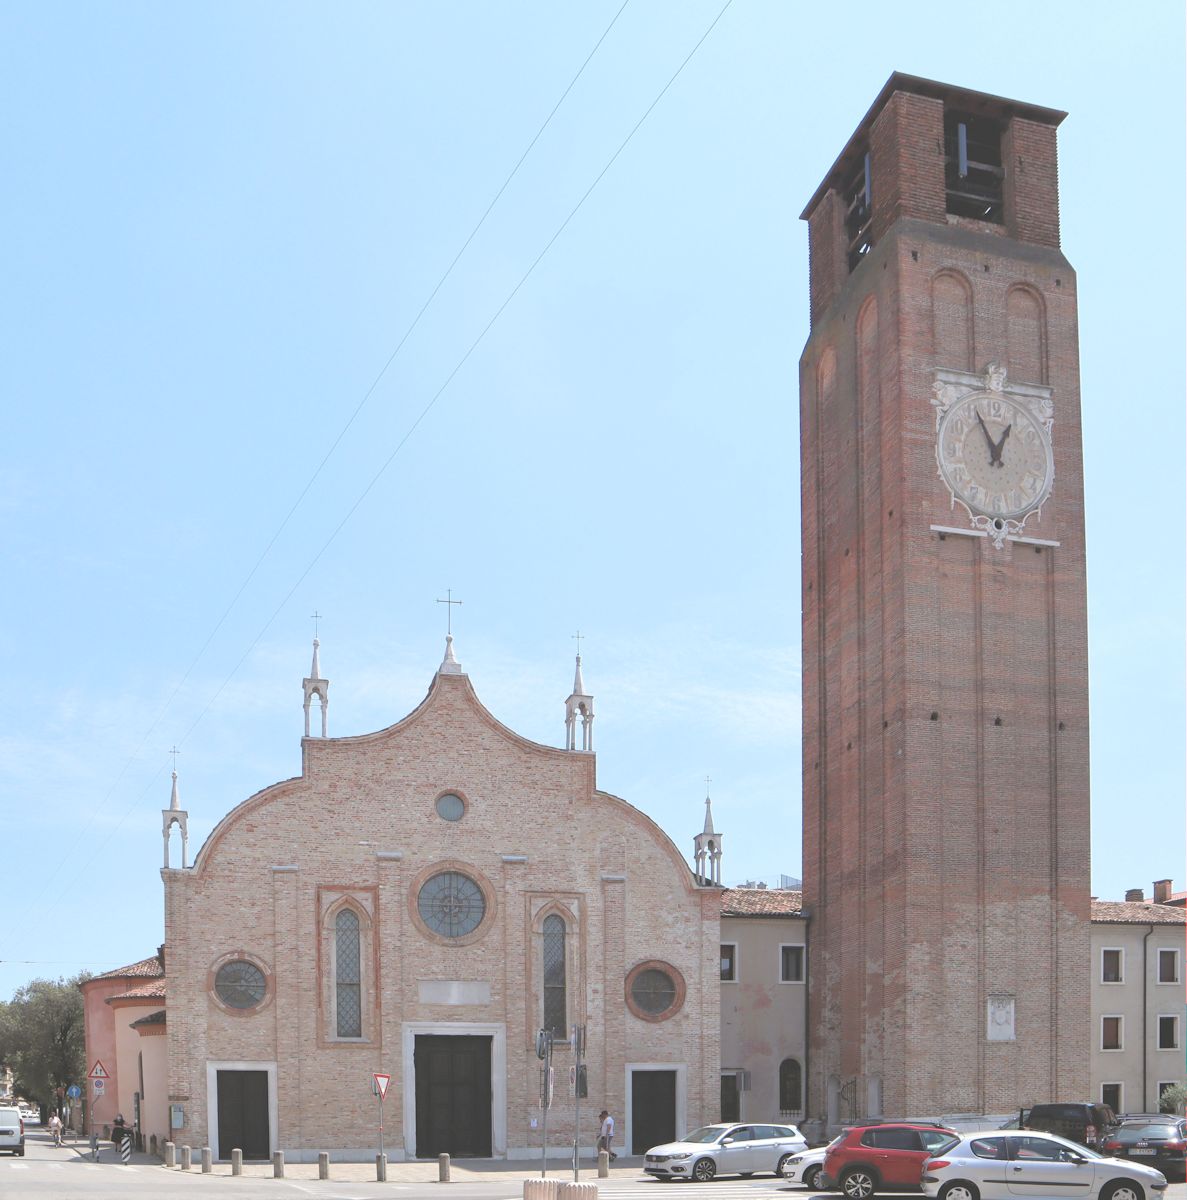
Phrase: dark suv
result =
(870, 1158)
(1083, 1122)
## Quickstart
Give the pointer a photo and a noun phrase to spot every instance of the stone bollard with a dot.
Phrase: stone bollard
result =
(152, 1145)
(323, 1165)
(207, 1160)
(185, 1158)
(442, 1168)
(540, 1189)
(577, 1191)
(277, 1164)
(170, 1155)
(236, 1162)
(603, 1164)
(381, 1168)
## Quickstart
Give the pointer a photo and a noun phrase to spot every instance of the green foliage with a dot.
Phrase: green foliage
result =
(1174, 1099)
(41, 1037)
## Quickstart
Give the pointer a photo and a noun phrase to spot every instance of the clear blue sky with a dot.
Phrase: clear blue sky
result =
(220, 222)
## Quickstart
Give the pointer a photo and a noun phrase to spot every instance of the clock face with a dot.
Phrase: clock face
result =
(994, 456)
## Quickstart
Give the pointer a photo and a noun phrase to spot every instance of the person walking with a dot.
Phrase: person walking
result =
(606, 1134)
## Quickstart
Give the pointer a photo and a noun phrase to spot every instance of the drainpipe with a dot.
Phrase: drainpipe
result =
(1145, 1007)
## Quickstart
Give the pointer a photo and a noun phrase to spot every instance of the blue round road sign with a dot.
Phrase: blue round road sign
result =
(74, 1091)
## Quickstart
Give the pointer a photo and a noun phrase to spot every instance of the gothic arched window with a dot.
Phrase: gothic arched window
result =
(554, 976)
(791, 1086)
(348, 974)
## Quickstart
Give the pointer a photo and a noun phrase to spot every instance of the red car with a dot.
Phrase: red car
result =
(870, 1158)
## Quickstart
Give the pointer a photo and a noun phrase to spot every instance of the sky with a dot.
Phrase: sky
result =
(313, 308)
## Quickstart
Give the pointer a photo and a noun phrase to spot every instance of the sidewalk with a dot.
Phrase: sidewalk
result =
(466, 1170)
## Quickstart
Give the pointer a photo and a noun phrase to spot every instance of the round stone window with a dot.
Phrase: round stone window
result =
(450, 807)
(655, 991)
(451, 904)
(240, 984)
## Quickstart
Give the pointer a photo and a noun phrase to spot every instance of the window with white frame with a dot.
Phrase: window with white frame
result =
(1111, 1029)
(1110, 1094)
(791, 964)
(729, 962)
(1168, 966)
(1168, 1033)
(1112, 966)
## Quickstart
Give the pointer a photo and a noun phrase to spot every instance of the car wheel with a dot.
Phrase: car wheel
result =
(781, 1164)
(704, 1169)
(860, 1184)
(959, 1189)
(1122, 1189)
(812, 1177)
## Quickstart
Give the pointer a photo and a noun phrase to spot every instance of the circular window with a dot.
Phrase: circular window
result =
(240, 984)
(451, 904)
(654, 991)
(450, 807)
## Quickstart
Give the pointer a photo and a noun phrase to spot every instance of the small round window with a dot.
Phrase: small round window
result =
(240, 984)
(654, 991)
(450, 807)
(451, 904)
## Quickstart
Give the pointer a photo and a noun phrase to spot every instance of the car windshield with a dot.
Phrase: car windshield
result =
(708, 1133)
(1154, 1129)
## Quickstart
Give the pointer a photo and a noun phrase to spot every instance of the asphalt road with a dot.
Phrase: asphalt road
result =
(51, 1173)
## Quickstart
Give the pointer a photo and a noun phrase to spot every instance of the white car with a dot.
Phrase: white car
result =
(1001, 1166)
(12, 1130)
(805, 1167)
(736, 1149)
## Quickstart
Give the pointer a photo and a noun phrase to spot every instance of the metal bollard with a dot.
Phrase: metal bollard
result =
(381, 1168)
(603, 1164)
(236, 1162)
(323, 1165)
(207, 1160)
(277, 1164)
(126, 1149)
(442, 1168)
(186, 1158)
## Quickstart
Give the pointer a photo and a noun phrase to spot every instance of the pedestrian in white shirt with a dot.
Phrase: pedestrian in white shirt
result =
(606, 1134)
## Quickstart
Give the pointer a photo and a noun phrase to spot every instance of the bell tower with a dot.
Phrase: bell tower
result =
(945, 693)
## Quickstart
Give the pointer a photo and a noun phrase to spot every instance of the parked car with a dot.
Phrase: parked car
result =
(870, 1158)
(1084, 1121)
(806, 1167)
(734, 1149)
(1157, 1140)
(989, 1166)
(12, 1130)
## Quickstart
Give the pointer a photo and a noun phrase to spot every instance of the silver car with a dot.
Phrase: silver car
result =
(740, 1148)
(1001, 1166)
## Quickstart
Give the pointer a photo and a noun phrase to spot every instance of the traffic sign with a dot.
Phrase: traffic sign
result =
(100, 1084)
(98, 1071)
(379, 1084)
(74, 1091)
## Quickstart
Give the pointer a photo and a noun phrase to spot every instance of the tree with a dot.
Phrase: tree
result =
(1173, 1099)
(41, 1037)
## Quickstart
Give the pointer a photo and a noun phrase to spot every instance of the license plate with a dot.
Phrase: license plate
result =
(1141, 1150)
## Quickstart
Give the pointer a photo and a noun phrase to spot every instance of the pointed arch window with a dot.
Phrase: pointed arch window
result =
(348, 974)
(554, 976)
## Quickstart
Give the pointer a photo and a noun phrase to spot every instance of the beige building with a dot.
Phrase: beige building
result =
(764, 1000)
(420, 902)
(1137, 1048)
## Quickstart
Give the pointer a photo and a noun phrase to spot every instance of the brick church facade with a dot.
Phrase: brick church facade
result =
(420, 902)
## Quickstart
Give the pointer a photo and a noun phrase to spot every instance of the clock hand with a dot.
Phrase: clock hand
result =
(996, 459)
(988, 439)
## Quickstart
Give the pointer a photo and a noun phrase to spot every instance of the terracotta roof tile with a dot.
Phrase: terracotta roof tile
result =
(157, 1018)
(146, 968)
(761, 902)
(154, 989)
(1136, 912)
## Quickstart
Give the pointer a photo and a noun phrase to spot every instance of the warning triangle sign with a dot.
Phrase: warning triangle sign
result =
(381, 1082)
(98, 1071)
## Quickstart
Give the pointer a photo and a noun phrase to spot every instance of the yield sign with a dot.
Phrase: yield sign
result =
(381, 1082)
(98, 1071)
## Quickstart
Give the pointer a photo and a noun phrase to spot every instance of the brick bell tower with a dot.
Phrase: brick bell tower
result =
(946, 835)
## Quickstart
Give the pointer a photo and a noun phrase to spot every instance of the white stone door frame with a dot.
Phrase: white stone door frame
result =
(213, 1067)
(497, 1032)
(681, 1070)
